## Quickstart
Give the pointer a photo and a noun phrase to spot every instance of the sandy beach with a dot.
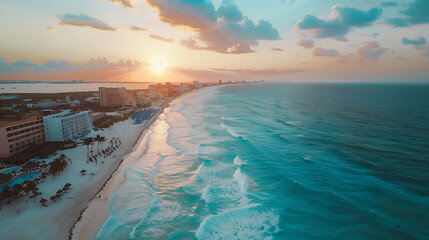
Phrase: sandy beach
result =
(56, 220)
(97, 211)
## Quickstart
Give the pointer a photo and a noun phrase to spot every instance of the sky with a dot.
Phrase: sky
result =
(203, 40)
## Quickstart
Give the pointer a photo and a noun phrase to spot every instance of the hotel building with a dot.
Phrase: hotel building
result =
(17, 135)
(116, 97)
(163, 91)
(67, 126)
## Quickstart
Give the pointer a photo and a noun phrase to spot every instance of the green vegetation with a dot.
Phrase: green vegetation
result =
(21, 106)
(58, 165)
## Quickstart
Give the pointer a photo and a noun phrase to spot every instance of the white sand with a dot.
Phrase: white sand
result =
(54, 222)
(97, 211)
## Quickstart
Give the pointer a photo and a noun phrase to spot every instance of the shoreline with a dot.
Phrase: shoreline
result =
(85, 225)
(61, 216)
(97, 211)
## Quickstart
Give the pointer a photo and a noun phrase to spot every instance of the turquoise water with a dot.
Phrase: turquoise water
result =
(281, 161)
(10, 170)
(20, 180)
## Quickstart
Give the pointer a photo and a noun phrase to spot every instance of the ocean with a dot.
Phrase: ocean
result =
(281, 161)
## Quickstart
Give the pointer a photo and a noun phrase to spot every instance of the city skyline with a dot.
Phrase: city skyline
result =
(182, 41)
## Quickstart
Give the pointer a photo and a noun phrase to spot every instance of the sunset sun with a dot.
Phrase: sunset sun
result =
(158, 65)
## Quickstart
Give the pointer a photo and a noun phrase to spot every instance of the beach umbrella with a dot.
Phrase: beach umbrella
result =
(43, 202)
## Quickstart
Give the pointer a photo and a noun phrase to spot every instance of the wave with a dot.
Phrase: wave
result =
(238, 161)
(287, 123)
(232, 190)
(253, 222)
(160, 213)
(204, 149)
(232, 132)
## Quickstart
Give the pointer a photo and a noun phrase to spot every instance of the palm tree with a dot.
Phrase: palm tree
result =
(87, 142)
(6, 194)
(31, 186)
(102, 140)
(98, 140)
(17, 189)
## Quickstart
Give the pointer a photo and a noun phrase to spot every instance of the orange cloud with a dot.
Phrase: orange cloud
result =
(156, 37)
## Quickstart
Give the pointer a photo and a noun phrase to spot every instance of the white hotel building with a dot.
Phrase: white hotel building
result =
(67, 126)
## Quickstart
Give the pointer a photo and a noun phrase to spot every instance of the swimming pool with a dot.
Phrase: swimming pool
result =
(10, 170)
(20, 180)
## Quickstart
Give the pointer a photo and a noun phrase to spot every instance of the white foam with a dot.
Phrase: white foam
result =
(238, 161)
(206, 150)
(159, 213)
(226, 189)
(232, 132)
(254, 222)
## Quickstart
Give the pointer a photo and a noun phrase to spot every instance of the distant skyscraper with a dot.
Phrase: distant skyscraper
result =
(116, 97)
(163, 91)
(185, 87)
(197, 84)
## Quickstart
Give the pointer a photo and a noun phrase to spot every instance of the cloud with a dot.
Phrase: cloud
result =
(58, 66)
(223, 30)
(83, 20)
(26, 66)
(398, 22)
(156, 37)
(102, 63)
(196, 14)
(389, 4)
(306, 43)
(124, 3)
(291, 1)
(419, 42)
(323, 52)
(241, 48)
(229, 11)
(23, 63)
(94, 69)
(190, 43)
(137, 28)
(277, 49)
(371, 50)
(416, 13)
(339, 26)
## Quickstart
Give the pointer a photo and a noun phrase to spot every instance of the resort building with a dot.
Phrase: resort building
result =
(185, 87)
(116, 97)
(17, 135)
(67, 126)
(197, 84)
(163, 91)
(143, 98)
